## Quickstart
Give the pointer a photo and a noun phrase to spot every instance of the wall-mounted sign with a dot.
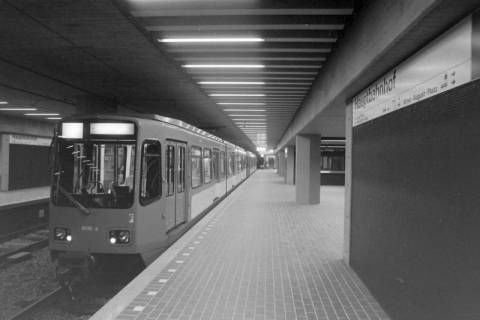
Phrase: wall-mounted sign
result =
(443, 65)
(29, 140)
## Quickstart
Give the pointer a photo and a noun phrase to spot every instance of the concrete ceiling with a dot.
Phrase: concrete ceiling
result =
(58, 55)
(277, 48)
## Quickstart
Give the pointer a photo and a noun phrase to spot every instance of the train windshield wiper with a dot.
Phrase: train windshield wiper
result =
(74, 201)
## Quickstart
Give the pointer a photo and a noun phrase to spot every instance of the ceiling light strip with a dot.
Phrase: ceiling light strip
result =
(251, 72)
(244, 110)
(242, 12)
(209, 40)
(223, 78)
(203, 66)
(237, 95)
(241, 103)
(231, 82)
(18, 109)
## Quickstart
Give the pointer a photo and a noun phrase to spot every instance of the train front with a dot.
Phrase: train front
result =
(93, 193)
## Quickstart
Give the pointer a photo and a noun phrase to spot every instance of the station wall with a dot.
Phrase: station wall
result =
(415, 207)
(24, 146)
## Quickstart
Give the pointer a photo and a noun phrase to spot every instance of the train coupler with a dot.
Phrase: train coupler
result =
(74, 270)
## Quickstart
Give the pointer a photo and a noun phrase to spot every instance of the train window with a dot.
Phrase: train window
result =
(170, 166)
(333, 159)
(196, 167)
(222, 164)
(239, 163)
(94, 174)
(207, 165)
(181, 170)
(231, 164)
(150, 184)
(215, 164)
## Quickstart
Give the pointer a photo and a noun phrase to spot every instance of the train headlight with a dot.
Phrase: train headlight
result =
(119, 236)
(62, 234)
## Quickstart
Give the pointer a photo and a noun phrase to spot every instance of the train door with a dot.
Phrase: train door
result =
(175, 180)
(180, 198)
(170, 184)
(216, 176)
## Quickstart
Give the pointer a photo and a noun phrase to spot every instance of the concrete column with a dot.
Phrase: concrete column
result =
(348, 183)
(4, 161)
(308, 169)
(290, 165)
(281, 163)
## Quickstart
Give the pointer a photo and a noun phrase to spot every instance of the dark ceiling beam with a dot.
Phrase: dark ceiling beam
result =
(249, 72)
(249, 78)
(209, 27)
(242, 20)
(274, 34)
(238, 58)
(213, 50)
(253, 45)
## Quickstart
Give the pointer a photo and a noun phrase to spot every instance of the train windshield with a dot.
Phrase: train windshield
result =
(94, 174)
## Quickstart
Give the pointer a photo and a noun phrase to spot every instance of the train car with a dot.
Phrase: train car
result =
(125, 187)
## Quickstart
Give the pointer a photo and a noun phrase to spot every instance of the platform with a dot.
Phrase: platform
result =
(258, 255)
(9, 199)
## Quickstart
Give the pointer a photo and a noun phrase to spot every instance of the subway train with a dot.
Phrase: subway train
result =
(125, 187)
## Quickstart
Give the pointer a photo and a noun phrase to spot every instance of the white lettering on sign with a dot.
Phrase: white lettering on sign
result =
(442, 65)
(29, 140)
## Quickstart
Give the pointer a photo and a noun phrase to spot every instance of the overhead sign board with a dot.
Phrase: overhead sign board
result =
(29, 140)
(443, 65)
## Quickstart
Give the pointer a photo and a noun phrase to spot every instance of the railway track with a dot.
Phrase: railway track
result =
(40, 306)
(20, 232)
(19, 249)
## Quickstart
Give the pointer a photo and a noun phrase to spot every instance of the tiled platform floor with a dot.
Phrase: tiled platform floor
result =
(259, 256)
(8, 198)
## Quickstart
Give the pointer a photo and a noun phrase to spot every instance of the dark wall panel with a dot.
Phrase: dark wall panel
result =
(28, 166)
(332, 179)
(415, 237)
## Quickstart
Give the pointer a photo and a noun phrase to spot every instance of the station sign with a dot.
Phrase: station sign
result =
(443, 65)
(29, 140)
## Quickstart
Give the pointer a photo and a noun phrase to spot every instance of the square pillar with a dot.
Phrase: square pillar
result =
(290, 165)
(307, 171)
(281, 163)
(348, 182)
(4, 161)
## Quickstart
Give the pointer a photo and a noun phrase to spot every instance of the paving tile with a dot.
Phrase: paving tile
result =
(262, 257)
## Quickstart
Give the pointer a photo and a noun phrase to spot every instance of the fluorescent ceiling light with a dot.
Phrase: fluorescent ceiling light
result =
(250, 119)
(223, 66)
(209, 40)
(18, 109)
(253, 127)
(241, 103)
(244, 110)
(246, 115)
(3, 102)
(237, 95)
(42, 114)
(54, 118)
(249, 123)
(232, 82)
